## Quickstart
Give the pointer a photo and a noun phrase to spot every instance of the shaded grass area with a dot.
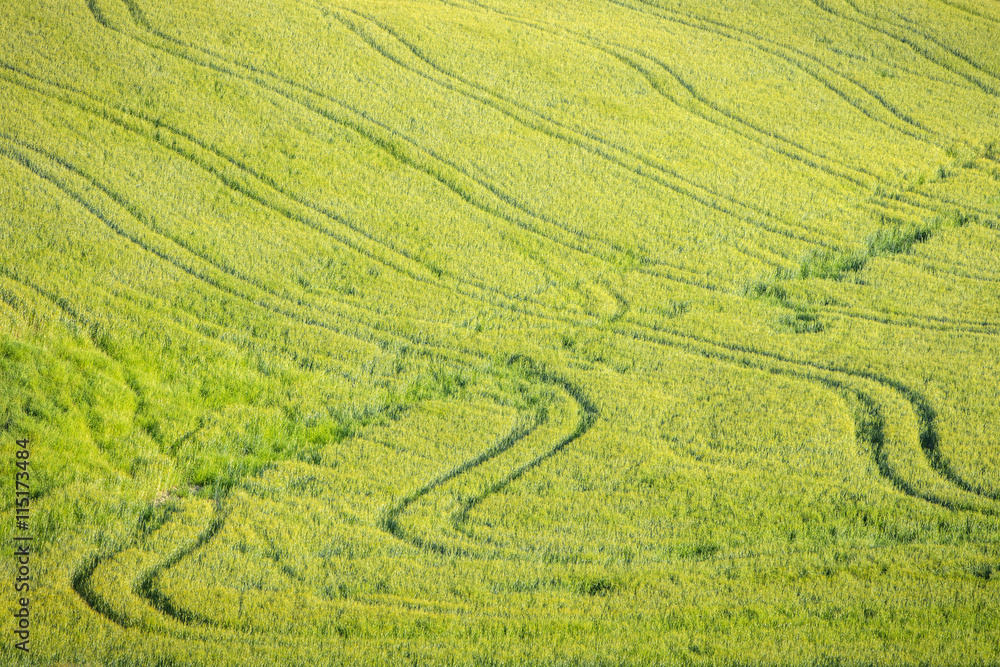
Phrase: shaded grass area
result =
(890, 239)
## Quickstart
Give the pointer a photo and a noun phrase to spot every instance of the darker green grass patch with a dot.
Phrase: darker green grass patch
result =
(801, 322)
(832, 265)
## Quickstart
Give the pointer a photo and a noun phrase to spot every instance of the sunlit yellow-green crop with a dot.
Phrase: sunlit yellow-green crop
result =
(500, 333)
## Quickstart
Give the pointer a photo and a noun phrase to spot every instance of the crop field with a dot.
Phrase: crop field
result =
(493, 332)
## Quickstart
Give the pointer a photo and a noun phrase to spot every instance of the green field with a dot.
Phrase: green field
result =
(490, 332)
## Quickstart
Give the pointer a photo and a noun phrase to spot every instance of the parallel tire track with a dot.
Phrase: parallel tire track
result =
(900, 123)
(475, 191)
(856, 176)
(605, 149)
(258, 187)
(482, 194)
(840, 379)
(937, 53)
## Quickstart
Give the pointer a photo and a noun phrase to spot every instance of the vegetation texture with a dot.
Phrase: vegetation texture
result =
(494, 332)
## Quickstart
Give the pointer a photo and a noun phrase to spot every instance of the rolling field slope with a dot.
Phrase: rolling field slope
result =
(489, 332)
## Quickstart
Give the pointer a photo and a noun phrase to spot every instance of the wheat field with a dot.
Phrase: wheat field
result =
(486, 332)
